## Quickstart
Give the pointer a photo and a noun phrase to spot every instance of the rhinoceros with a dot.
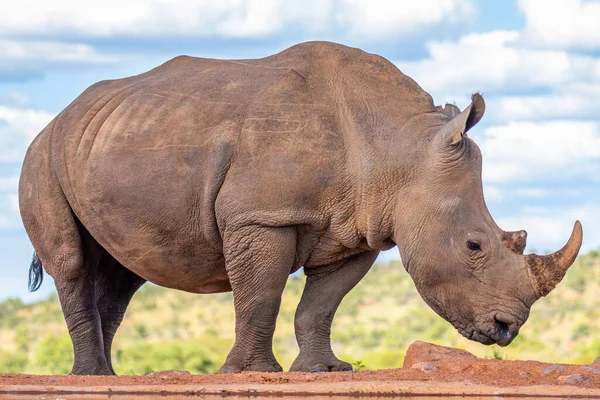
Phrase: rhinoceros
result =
(209, 176)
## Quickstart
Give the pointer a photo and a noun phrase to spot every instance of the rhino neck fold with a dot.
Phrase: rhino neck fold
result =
(384, 138)
(376, 224)
(380, 197)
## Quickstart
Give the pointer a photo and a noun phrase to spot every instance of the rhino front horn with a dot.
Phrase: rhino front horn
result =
(548, 271)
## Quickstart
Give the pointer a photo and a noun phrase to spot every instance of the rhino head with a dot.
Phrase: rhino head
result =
(465, 267)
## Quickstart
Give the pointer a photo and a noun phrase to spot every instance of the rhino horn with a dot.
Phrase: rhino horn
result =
(515, 241)
(547, 271)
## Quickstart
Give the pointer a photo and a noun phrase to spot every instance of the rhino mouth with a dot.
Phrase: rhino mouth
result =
(480, 337)
(494, 328)
(498, 332)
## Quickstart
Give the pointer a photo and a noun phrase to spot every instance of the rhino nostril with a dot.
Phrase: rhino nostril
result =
(503, 329)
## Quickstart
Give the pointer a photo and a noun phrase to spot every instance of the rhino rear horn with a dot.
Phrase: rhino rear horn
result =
(458, 126)
(548, 271)
(515, 241)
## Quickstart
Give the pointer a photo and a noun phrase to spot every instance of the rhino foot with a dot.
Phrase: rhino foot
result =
(233, 366)
(91, 370)
(308, 364)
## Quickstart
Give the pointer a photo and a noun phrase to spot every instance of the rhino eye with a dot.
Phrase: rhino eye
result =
(473, 245)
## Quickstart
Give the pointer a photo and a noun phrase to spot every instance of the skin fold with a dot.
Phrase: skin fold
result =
(211, 175)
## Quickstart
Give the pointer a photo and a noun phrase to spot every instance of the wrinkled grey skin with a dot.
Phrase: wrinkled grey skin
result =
(213, 175)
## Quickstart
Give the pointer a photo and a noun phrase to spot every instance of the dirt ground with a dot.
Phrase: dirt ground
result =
(428, 370)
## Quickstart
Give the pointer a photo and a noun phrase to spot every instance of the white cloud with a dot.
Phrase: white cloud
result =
(498, 192)
(13, 201)
(9, 183)
(384, 17)
(562, 23)
(9, 202)
(230, 18)
(18, 127)
(495, 60)
(17, 56)
(10, 217)
(4, 222)
(22, 50)
(557, 150)
(569, 101)
(533, 192)
(15, 98)
(492, 193)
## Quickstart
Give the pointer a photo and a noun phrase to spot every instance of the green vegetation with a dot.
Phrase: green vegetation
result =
(168, 329)
(358, 365)
(496, 354)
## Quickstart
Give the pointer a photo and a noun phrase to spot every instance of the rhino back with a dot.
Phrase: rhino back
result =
(157, 165)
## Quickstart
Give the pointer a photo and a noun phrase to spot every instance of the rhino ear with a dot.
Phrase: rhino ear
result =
(460, 124)
(449, 109)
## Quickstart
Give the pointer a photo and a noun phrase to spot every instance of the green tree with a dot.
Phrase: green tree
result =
(176, 354)
(12, 362)
(8, 312)
(23, 338)
(54, 355)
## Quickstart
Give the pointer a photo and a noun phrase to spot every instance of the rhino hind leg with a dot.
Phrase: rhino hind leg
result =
(84, 324)
(63, 247)
(74, 278)
(115, 285)
(79, 301)
(325, 288)
(258, 262)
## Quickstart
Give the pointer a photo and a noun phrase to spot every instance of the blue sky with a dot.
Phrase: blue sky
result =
(537, 63)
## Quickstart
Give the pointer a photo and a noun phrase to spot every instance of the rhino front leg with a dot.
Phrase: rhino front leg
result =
(325, 288)
(258, 261)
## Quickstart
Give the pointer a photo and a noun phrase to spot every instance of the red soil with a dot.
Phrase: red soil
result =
(426, 363)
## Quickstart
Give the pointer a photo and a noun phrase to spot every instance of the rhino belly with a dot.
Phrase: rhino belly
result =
(154, 226)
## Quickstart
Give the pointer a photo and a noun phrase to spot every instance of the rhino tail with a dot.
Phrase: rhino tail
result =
(36, 273)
